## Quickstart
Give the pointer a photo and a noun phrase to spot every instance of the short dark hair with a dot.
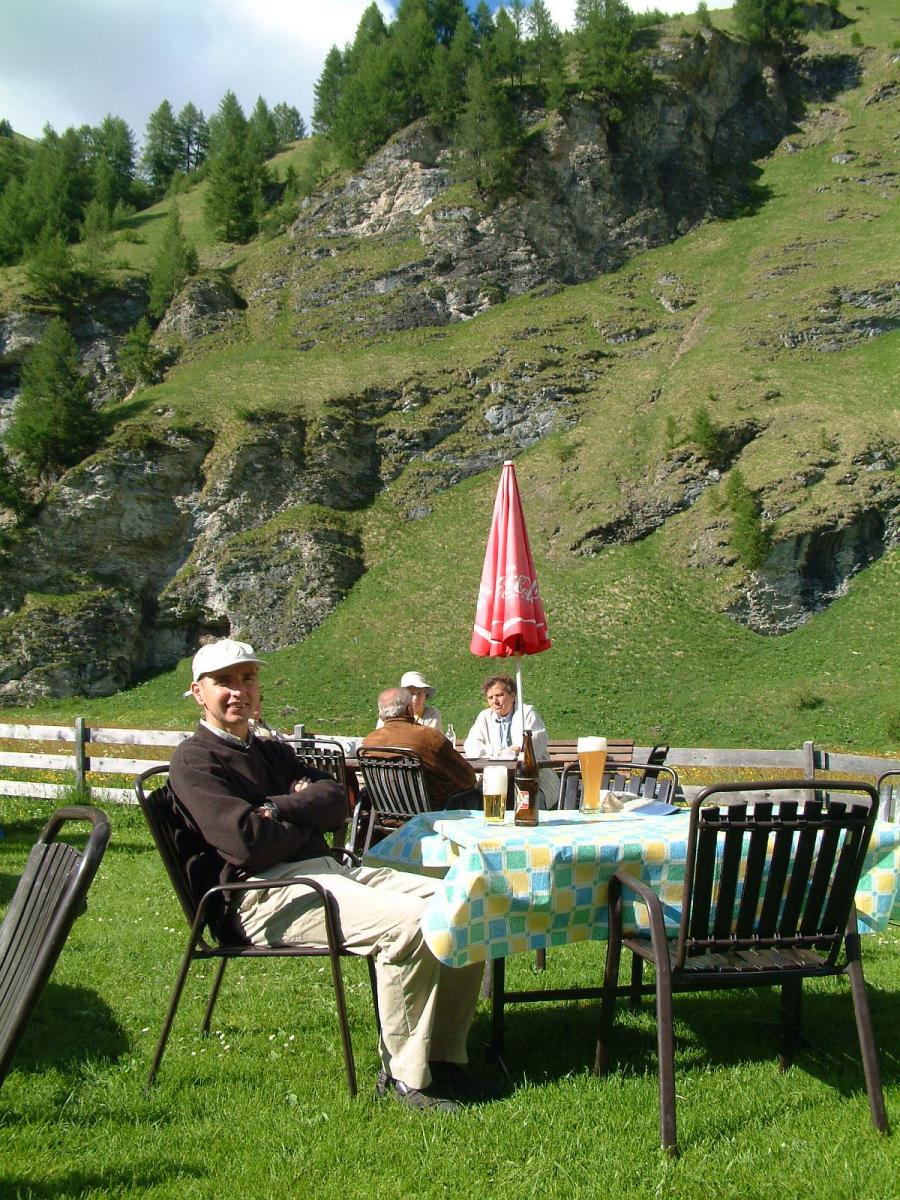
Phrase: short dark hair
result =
(506, 681)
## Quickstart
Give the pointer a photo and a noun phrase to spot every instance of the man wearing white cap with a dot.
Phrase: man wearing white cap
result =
(265, 816)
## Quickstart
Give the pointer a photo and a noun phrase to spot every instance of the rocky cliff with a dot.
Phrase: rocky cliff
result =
(175, 530)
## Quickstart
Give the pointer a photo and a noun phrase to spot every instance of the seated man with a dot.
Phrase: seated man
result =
(498, 732)
(265, 816)
(452, 782)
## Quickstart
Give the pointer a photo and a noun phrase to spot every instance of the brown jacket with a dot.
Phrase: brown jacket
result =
(446, 772)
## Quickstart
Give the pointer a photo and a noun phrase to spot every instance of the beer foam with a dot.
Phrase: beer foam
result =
(588, 744)
(494, 780)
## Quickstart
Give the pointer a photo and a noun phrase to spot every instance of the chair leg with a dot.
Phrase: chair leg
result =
(666, 1050)
(498, 997)
(864, 1030)
(337, 979)
(373, 986)
(170, 1015)
(213, 996)
(637, 980)
(610, 985)
(791, 993)
(540, 960)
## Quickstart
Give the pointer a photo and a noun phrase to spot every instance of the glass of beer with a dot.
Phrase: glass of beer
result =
(494, 782)
(592, 760)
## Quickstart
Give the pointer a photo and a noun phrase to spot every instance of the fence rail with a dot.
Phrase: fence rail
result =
(87, 760)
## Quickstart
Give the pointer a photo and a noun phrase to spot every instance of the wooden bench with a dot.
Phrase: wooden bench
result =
(619, 751)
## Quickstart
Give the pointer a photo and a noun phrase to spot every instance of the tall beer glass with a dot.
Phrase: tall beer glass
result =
(494, 782)
(592, 760)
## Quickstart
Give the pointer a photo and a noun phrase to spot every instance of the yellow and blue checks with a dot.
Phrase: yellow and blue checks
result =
(507, 890)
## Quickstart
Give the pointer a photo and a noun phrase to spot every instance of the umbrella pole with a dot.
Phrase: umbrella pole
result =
(519, 698)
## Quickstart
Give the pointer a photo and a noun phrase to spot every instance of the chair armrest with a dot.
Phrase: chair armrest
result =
(647, 894)
(344, 852)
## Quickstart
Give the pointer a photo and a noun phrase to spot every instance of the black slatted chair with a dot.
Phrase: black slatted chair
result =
(768, 899)
(327, 755)
(49, 896)
(213, 935)
(647, 780)
(396, 786)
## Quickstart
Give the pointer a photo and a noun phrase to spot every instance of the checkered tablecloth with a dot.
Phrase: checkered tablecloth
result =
(506, 890)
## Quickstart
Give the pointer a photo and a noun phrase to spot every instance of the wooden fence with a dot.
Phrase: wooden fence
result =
(102, 762)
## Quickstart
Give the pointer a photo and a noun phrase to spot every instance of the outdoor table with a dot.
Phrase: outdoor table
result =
(508, 890)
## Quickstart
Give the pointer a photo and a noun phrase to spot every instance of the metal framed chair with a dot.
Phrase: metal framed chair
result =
(768, 899)
(49, 896)
(888, 788)
(212, 936)
(327, 755)
(396, 786)
(648, 780)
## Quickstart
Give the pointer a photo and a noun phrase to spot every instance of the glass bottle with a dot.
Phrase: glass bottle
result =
(526, 812)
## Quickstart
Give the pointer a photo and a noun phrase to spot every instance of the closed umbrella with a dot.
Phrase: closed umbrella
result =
(509, 620)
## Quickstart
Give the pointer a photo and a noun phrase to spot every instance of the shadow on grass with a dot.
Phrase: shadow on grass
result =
(101, 1183)
(69, 1026)
(725, 1029)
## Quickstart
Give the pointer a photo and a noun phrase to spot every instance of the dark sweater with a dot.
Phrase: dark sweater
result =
(219, 784)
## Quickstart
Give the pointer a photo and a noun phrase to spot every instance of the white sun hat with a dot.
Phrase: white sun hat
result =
(415, 679)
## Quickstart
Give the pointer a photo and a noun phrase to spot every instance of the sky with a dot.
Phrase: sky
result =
(71, 62)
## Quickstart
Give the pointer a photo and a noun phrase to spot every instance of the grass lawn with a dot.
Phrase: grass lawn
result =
(261, 1109)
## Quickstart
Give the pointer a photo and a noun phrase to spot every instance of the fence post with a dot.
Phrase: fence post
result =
(82, 761)
(299, 731)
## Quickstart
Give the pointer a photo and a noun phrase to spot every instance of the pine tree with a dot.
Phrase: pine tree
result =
(176, 261)
(750, 539)
(112, 154)
(489, 138)
(544, 51)
(289, 126)
(608, 61)
(138, 359)
(768, 21)
(51, 272)
(193, 138)
(445, 17)
(262, 135)
(162, 155)
(53, 425)
(235, 176)
(96, 240)
(327, 91)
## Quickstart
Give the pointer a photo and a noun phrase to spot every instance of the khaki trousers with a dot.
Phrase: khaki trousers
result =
(425, 1009)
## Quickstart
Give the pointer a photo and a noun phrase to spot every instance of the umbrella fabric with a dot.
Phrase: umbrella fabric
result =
(510, 617)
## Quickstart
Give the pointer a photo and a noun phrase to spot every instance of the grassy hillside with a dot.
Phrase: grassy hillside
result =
(641, 644)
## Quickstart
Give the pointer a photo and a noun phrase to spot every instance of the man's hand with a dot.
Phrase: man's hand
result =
(300, 785)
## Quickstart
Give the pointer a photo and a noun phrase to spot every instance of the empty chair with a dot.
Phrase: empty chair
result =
(396, 787)
(327, 755)
(768, 899)
(49, 896)
(650, 781)
(211, 934)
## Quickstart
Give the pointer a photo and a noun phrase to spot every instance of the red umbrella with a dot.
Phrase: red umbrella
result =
(510, 616)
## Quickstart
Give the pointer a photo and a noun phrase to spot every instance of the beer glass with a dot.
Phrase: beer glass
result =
(592, 760)
(494, 782)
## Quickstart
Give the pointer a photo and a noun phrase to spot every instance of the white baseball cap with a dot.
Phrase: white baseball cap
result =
(415, 679)
(217, 655)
